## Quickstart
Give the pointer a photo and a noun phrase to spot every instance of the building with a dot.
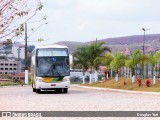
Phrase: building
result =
(10, 59)
(19, 76)
(18, 50)
(8, 67)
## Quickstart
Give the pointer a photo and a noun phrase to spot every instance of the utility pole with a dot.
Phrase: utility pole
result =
(144, 37)
(26, 56)
(26, 65)
(19, 60)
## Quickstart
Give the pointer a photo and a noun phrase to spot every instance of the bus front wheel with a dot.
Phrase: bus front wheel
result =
(34, 90)
(58, 90)
(38, 90)
(65, 90)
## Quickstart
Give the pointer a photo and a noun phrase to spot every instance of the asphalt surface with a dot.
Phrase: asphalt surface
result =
(21, 98)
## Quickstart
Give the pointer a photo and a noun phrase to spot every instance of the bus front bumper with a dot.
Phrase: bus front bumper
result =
(45, 86)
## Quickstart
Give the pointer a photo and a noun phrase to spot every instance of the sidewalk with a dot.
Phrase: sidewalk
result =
(118, 90)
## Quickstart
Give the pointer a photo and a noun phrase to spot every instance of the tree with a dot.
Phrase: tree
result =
(13, 14)
(93, 51)
(106, 60)
(30, 48)
(96, 64)
(7, 44)
(152, 61)
(157, 59)
(118, 62)
(81, 59)
(147, 60)
(128, 64)
(86, 55)
(136, 58)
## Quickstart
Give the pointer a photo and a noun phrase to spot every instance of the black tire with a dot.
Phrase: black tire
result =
(34, 90)
(65, 90)
(58, 90)
(38, 90)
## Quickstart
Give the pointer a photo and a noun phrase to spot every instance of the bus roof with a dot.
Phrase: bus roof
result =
(51, 46)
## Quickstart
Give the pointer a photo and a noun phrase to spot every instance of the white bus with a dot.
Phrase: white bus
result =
(50, 68)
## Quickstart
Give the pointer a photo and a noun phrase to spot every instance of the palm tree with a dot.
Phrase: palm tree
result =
(148, 59)
(136, 58)
(118, 62)
(93, 51)
(128, 64)
(81, 59)
(157, 59)
(86, 55)
(106, 60)
(152, 61)
(96, 63)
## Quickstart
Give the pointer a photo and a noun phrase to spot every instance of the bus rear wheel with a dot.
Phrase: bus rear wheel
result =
(65, 90)
(38, 90)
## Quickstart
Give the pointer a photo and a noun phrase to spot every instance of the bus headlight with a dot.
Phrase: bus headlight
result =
(39, 79)
(65, 79)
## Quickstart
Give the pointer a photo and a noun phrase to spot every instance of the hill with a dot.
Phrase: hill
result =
(131, 39)
(152, 43)
(72, 45)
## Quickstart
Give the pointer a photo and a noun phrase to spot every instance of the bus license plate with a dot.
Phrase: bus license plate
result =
(53, 84)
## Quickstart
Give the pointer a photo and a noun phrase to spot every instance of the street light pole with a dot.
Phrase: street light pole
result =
(96, 40)
(144, 37)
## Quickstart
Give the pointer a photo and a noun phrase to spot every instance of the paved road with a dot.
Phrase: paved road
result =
(22, 98)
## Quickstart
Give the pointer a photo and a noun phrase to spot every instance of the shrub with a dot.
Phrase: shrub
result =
(125, 83)
(148, 83)
(139, 81)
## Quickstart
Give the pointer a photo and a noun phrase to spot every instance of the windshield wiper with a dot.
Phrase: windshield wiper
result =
(59, 74)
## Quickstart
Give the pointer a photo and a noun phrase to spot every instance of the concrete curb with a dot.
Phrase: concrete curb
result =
(117, 90)
(15, 86)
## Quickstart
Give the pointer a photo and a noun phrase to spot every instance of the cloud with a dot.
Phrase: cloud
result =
(84, 20)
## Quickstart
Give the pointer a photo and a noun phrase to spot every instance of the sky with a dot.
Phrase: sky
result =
(86, 20)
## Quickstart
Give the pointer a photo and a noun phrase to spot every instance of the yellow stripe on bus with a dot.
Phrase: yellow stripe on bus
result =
(48, 79)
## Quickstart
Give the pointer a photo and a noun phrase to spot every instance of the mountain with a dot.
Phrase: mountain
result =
(131, 39)
(152, 43)
(72, 45)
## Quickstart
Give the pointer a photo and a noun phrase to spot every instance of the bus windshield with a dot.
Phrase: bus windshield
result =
(52, 66)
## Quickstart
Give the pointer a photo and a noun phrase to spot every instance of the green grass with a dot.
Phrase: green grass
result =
(111, 83)
(75, 82)
(10, 84)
